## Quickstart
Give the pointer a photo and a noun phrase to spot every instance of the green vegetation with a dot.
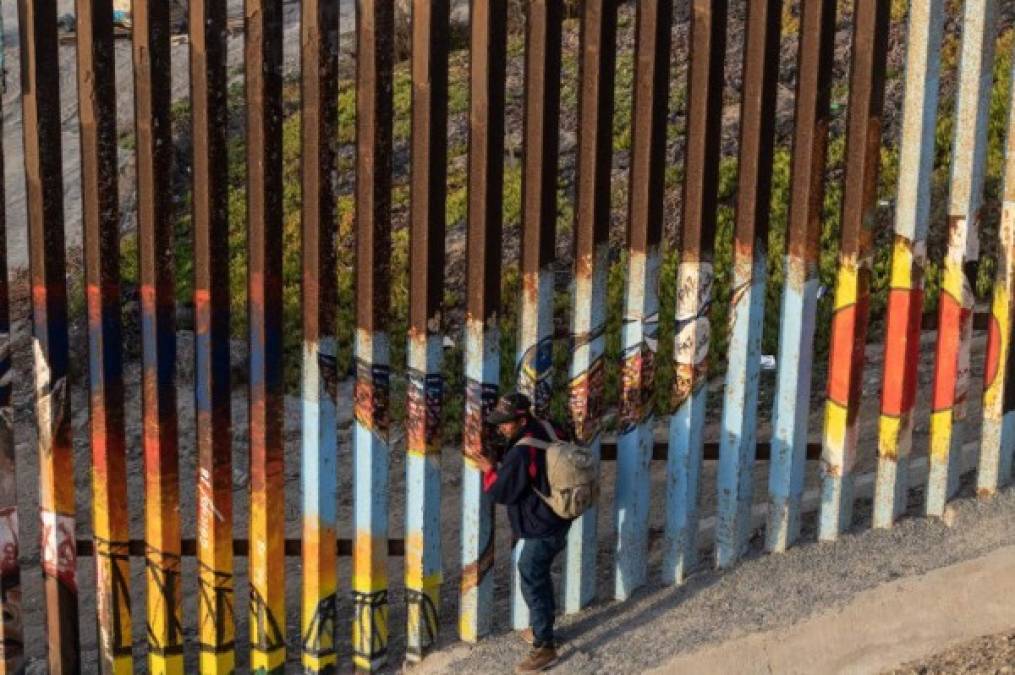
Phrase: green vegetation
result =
(457, 205)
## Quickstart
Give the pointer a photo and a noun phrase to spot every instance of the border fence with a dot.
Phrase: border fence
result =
(634, 445)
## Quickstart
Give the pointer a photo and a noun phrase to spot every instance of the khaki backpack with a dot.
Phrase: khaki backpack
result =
(573, 474)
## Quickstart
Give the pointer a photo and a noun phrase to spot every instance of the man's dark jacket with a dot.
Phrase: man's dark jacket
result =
(511, 483)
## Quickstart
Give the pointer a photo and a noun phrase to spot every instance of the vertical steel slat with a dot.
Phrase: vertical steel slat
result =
(212, 390)
(430, 44)
(949, 406)
(263, 56)
(12, 639)
(750, 253)
(852, 292)
(319, 57)
(641, 306)
(482, 367)
(374, 108)
(158, 334)
(909, 259)
(40, 99)
(100, 211)
(695, 279)
(800, 293)
(999, 379)
(591, 252)
(534, 360)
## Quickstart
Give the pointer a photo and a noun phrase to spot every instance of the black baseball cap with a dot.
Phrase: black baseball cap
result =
(509, 408)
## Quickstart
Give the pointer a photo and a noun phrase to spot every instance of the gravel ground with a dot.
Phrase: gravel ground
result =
(764, 592)
(988, 654)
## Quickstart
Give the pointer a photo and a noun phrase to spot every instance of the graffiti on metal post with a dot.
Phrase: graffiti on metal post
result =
(422, 611)
(638, 373)
(266, 633)
(372, 394)
(586, 400)
(12, 645)
(319, 635)
(165, 638)
(693, 330)
(480, 398)
(215, 598)
(114, 558)
(423, 412)
(535, 374)
(370, 612)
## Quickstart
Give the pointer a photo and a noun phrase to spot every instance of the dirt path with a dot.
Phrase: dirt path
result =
(888, 624)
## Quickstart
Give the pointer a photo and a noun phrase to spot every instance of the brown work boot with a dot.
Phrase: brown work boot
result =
(529, 638)
(539, 659)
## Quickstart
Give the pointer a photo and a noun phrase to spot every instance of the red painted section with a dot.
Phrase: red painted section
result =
(946, 367)
(902, 351)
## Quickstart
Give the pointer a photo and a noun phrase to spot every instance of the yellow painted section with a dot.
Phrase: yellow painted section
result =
(846, 284)
(122, 665)
(414, 579)
(267, 579)
(467, 625)
(952, 279)
(159, 664)
(369, 626)
(835, 435)
(940, 435)
(889, 429)
(267, 661)
(993, 396)
(319, 582)
(313, 663)
(223, 663)
(902, 264)
(214, 663)
(415, 620)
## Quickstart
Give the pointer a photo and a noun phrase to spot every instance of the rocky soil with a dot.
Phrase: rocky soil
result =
(991, 654)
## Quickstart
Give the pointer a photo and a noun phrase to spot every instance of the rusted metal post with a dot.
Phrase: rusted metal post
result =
(958, 275)
(641, 305)
(158, 334)
(212, 389)
(12, 638)
(482, 367)
(800, 294)
(263, 55)
(695, 277)
(998, 438)
(319, 43)
(100, 212)
(909, 258)
(40, 99)
(852, 292)
(591, 246)
(740, 406)
(539, 225)
(430, 44)
(375, 26)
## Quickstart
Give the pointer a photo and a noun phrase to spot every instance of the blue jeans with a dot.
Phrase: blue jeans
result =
(537, 585)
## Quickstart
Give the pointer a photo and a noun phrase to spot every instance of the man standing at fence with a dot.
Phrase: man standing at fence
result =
(512, 480)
